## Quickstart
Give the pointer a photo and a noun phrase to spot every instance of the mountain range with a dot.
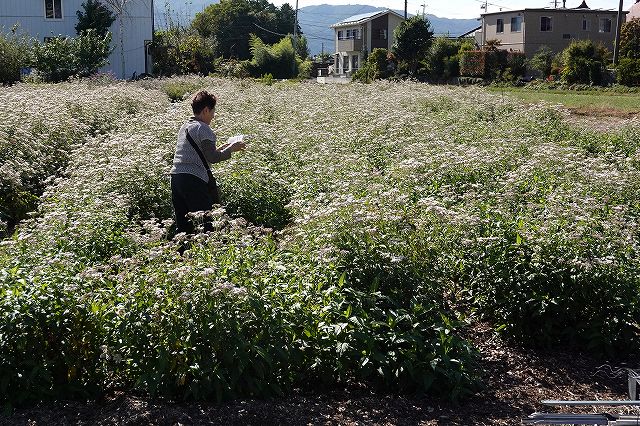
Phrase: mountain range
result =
(314, 20)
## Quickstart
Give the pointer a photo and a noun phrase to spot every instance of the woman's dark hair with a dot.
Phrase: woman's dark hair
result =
(202, 99)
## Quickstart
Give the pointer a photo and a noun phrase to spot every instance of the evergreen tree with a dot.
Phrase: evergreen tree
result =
(95, 16)
(413, 39)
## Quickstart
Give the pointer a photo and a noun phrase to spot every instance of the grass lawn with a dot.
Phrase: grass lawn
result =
(584, 102)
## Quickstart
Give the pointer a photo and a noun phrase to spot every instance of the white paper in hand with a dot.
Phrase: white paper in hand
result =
(236, 138)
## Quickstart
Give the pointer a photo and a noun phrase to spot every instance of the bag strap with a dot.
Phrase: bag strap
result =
(200, 154)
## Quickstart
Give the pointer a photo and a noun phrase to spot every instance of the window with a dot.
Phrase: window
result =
(566, 36)
(605, 25)
(354, 62)
(585, 24)
(516, 24)
(350, 35)
(545, 23)
(383, 34)
(500, 26)
(53, 9)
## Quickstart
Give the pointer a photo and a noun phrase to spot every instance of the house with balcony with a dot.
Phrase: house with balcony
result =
(527, 30)
(357, 36)
(44, 19)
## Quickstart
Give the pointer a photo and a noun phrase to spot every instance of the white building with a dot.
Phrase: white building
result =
(49, 18)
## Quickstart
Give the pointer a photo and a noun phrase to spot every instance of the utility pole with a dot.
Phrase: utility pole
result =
(405, 10)
(295, 29)
(616, 48)
(423, 7)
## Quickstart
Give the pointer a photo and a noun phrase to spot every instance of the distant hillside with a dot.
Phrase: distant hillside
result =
(314, 20)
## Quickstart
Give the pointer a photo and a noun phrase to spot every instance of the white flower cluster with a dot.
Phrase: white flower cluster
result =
(383, 161)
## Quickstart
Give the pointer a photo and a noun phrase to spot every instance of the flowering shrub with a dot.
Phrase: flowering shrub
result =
(43, 124)
(389, 227)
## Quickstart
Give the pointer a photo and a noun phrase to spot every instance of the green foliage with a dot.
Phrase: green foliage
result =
(232, 22)
(323, 57)
(584, 62)
(14, 55)
(267, 79)
(375, 67)
(628, 72)
(258, 197)
(302, 48)
(630, 39)
(413, 39)
(304, 68)
(279, 60)
(64, 57)
(542, 61)
(516, 66)
(179, 90)
(389, 226)
(95, 15)
(541, 297)
(232, 68)
(443, 60)
(494, 64)
(177, 51)
(472, 63)
(215, 332)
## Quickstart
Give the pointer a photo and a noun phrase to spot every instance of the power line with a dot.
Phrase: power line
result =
(483, 2)
(269, 31)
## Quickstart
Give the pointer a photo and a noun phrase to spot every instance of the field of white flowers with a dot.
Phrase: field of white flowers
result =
(364, 226)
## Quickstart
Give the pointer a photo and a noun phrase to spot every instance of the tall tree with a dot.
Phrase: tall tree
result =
(233, 21)
(413, 39)
(94, 15)
(630, 39)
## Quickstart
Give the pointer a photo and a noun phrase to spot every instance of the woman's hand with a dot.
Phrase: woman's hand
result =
(236, 143)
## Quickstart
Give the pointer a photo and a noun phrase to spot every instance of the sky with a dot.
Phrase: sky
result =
(462, 8)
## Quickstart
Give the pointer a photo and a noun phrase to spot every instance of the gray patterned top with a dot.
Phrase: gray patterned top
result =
(186, 159)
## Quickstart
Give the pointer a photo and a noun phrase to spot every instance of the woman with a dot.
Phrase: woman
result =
(193, 187)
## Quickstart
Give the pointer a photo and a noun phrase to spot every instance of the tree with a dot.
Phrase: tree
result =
(630, 39)
(14, 55)
(375, 66)
(413, 39)
(443, 59)
(183, 51)
(278, 60)
(542, 61)
(628, 71)
(302, 48)
(95, 16)
(584, 62)
(64, 57)
(232, 21)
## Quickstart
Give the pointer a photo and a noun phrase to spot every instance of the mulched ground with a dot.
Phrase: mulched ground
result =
(516, 380)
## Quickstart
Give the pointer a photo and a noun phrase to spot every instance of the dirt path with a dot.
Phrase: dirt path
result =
(602, 121)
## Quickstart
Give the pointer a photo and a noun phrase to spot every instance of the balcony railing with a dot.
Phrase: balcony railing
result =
(350, 45)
